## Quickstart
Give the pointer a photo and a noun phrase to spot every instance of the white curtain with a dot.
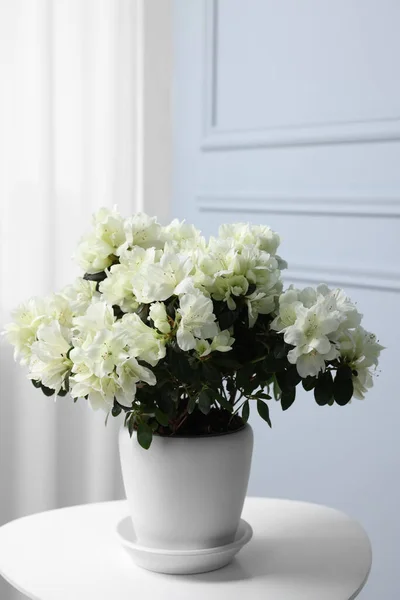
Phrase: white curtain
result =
(68, 146)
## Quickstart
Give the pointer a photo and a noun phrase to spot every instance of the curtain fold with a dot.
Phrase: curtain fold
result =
(69, 146)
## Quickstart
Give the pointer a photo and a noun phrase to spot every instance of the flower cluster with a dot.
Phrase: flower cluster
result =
(323, 325)
(180, 333)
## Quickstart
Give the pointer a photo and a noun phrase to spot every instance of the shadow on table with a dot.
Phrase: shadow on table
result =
(288, 558)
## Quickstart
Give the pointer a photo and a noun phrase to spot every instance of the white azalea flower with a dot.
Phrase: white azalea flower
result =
(98, 316)
(140, 340)
(98, 248)
(144, 231)
(288, 302)
(158, 314)
(21, 333)
(259, 303)
(360, 350)
(122, 279)
(309, 336)
(80, 295)
(93, 254)
(227, 268)
(245, 234)
(59, 309)
(182, 237)
(49, 363)
(202, 347)
(342, 303)
(93, 371)
(117, 288)
(109, 226)
(160, 281)
(222, 342)
(104, 369)
(197, 319)
(130, 372)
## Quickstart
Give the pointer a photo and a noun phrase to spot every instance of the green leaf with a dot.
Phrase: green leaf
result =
(309, 383)
(66, 383)
(118, 313)
(47, 391)
(246, 411)
(263, 395)
(161, 417)
(99, 276)
(230, 386)
(343, 387)
(283, 383)
(287, 398)
(116, 410)
(143, 311)
(292, 376)
(36, 383)
(204, 402)
(274, 365)
(288, 379)
(323, 390)
(244, 379)
(263, 411)
(62, 393)
(131, 425)
(154, 426)
(144, 435)
(165, 401)
(170, 307)
(191, 404)
(211, 374)
(228, 363)
(180, 367)
(279, 350)
(227, 318)
(224, 403)
(276, 389)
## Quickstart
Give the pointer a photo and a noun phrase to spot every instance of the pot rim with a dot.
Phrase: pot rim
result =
(183, 436)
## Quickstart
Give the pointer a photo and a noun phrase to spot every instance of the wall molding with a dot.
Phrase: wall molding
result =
(384, 281)
(385, 129)
(291, 204)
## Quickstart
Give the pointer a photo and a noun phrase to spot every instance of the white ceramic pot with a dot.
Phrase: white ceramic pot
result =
(186, 493)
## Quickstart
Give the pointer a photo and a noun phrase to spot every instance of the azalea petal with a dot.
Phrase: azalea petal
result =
(309, 365)
(322, 345)
(185, 339)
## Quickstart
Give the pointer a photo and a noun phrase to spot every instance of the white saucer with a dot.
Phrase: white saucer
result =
(181, 562)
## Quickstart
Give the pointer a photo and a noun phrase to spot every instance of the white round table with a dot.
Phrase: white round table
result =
(299, 551)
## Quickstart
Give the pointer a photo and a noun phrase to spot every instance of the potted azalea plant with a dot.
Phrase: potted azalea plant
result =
(183, 337)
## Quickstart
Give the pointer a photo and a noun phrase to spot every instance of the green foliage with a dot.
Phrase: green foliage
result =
(205, 401)
(309, 383)
(144, 435)
(161, 417)
(263, 411)
(343, 385)
(323, 391)
(213, 393)
(287, 398)
(47, 391)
